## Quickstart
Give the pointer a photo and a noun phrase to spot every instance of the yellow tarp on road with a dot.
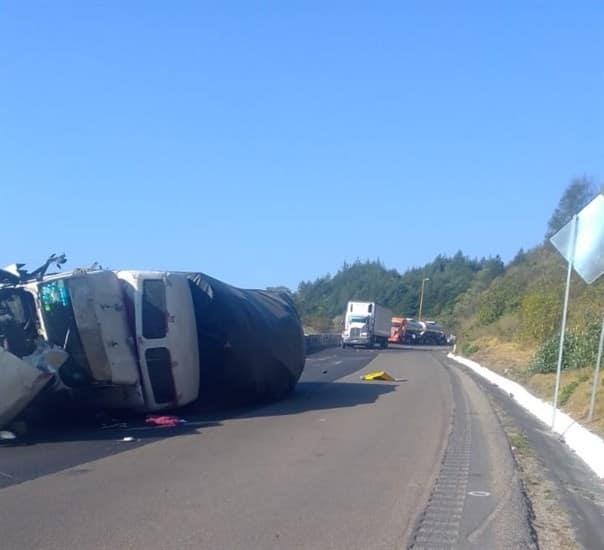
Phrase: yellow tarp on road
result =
(378, 375)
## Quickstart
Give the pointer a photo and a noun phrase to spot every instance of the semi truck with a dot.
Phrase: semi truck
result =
(409, 331)
(366, 324)
(397, 331)
(144, 340)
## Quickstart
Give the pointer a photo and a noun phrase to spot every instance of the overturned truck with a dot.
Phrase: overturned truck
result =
(144, 340)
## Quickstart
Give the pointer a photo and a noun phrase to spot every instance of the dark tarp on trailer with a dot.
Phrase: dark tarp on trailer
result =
(251, 342)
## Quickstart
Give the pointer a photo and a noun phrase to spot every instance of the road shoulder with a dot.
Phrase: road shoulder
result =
(477, 501)
(566, 496)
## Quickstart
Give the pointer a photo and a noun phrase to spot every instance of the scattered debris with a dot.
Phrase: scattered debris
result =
(5, 435)
(165, 421)
(378, 375)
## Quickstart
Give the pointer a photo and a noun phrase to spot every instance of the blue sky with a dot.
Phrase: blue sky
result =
(266, 143)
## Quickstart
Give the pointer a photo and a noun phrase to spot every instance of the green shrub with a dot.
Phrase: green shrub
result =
(467, 348)
(540, 314)
(500, 298)
(580, 350)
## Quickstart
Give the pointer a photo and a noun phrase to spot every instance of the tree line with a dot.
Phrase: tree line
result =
(320, 302)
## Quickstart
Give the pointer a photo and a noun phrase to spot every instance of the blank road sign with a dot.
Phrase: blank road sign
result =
(588, 259)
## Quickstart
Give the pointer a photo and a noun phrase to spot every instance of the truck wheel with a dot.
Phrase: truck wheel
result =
(370, 344)
(384, 343)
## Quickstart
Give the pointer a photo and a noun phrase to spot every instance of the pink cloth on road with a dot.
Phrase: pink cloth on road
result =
(165, 421)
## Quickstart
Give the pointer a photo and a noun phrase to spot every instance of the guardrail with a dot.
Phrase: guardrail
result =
(316, 342)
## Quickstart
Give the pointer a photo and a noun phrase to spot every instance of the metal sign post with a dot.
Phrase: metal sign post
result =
(594, 389)
(571, 255)
(581, 243)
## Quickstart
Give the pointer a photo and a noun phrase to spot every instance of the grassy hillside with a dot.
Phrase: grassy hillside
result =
(513, 327)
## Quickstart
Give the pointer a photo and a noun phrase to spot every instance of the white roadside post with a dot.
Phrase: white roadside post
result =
(581, 242)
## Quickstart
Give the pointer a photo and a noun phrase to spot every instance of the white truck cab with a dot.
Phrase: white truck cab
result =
(131, 335)
(162, 319)
(365, 324)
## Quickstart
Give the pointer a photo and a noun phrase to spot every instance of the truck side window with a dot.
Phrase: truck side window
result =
(370, 309)
(154, 309)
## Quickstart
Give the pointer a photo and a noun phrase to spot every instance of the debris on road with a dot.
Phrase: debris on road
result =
(5, 435)
(166, 421)
(128, 439)
(378, 375)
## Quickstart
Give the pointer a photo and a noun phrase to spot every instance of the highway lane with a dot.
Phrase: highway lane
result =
(341, 464)
(69, 444)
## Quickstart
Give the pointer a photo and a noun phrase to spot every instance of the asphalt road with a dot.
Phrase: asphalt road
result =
(341, 464)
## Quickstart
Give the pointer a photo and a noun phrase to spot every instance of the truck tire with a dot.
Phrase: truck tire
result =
(384, 343)
(371, 343)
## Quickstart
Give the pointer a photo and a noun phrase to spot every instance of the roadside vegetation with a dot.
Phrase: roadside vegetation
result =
(513, 326)
(505, 316)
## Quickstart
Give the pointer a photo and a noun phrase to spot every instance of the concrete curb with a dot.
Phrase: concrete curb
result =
(587, 445)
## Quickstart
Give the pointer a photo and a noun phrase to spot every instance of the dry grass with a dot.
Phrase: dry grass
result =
(575, 395)
(510, 359)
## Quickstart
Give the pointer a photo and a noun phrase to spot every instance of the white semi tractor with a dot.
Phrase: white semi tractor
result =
(366, 324)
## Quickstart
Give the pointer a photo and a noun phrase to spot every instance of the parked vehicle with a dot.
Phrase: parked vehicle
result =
(432, 334)
(397, 330)
(405, 330)
(410, 331)
(366, 324)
